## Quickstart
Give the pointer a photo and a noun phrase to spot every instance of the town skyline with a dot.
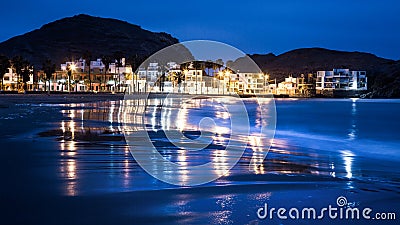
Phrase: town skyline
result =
(192, 77)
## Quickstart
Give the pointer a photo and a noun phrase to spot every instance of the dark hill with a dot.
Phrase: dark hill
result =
(383, 74)
(71, 37)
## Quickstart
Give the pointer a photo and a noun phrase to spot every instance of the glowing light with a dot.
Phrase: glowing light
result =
(348, 162)
(182, 158)
(220, 161)
(255, 143)
(63, 126)
(71, 148)
(71, 169)
(111, 116)
(182, 118)
(72, 129)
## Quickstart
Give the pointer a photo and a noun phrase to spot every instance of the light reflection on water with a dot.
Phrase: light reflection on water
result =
(68, 167)
(95, 158)
(298, 170)
(352, 135)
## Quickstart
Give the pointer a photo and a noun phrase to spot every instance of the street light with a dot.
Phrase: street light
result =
(228, 74)
(185, 72)
(213, 89)
(70, 68)
(220, 74)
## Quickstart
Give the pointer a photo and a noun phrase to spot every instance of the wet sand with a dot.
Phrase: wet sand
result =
(51, 178)
(6, 99)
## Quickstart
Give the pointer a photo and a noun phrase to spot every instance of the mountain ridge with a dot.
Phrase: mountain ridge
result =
(383, 74)
(70, 37)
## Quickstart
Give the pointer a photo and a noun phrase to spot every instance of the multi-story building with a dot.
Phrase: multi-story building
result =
(246, 83)
(194, 83)
(193, 80)
(253, 83)
(122, 75)
(147, 78)
(287, 87)
(117, 77)
(174, 78)
(306, 85)
(10, 80)
(14, 82)
(342, 80)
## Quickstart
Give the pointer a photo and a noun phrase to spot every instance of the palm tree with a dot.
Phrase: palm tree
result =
(179, 78)
(219, 64)
(135, 62)
(196, 66)
(18, 64)
(69, 74)
(4, 65)
(118, 55)
(87, 56)
(106, 60)
(25, 73)
(48, 68)
(208, 65)
(229, 64)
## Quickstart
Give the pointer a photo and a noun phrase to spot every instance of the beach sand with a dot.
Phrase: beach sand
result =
(49, 179)
(6, 99)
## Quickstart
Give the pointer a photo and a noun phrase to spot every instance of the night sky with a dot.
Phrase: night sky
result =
(258, 27)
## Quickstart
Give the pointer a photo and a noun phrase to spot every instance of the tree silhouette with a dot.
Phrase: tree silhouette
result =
(18, 64)
(4, 66)
(106, 60)
(87, 56)
(118, 55)
(69, 74)
(48, 68)
(25, 73)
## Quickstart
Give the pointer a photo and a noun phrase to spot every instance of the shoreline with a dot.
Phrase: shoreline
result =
(8, 99)
(105, 96)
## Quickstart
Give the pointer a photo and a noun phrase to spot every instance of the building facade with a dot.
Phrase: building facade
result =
(341, 80)
(90, 78)
(14, 82)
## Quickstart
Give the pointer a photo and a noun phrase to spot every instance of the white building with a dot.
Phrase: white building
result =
(115, 79)
(11, 80)
(254, 83)
(287, 87)
(122, 75)
(147, 77)
(193, 82)
(341, 79)
(230, 82)
(151, 73)
(174, 75)
(80, 65)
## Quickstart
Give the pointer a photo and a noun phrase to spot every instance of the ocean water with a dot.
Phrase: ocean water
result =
(71, 164)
